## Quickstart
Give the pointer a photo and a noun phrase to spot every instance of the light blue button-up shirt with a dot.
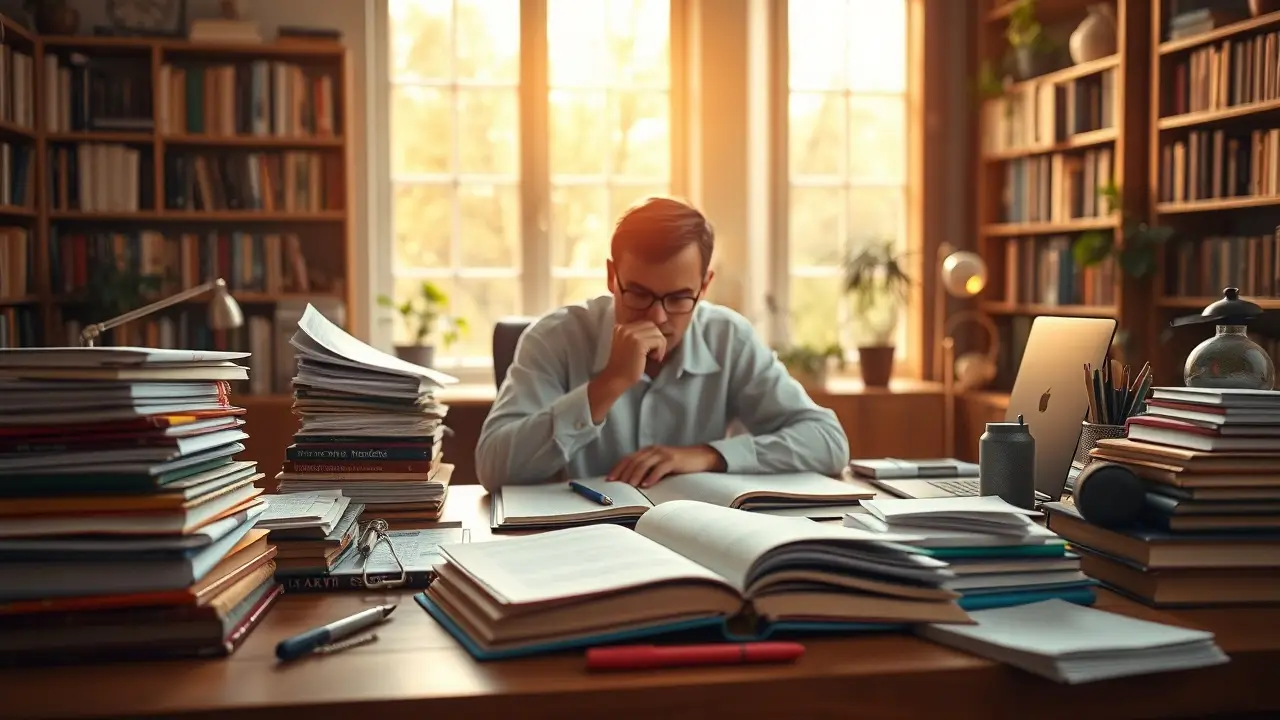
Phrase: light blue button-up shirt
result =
(540, 427)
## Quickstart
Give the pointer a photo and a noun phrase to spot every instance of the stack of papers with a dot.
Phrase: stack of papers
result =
(126, 523)
(370, 425)
(1000, 555)
(1072, 644)
(310, 530)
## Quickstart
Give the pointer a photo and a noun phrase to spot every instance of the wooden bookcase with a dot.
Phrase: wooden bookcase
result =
(236, 178)
(1215, 169)
(1060, 156)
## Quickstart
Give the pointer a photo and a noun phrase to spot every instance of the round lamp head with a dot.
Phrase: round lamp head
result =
(224, 311)
(964, 274)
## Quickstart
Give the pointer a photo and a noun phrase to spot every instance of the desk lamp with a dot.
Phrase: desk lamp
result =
(224, 311)
(961, 274)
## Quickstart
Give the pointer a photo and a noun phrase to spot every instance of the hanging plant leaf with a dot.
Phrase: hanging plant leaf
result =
(1092, 248)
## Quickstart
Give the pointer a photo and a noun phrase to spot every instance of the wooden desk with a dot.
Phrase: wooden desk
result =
(415, 670)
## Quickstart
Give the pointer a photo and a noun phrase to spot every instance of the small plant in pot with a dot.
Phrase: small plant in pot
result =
(424, 316)
(1028, 43)
(878, 285)
(808, 364)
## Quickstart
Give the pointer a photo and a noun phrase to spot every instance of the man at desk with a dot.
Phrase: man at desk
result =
(645, 382)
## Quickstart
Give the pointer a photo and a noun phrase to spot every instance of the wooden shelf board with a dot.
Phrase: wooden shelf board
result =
(24, 300)
(12, 129)
(1072, 72)
(1216, 205)
(1078, 141)
(1043, 228)
(1205, 117)
(1003, 308)
(12, 28)
(987, 397)
(188, 47)
(201, 216)
(101, 136)
(254, 141)
(1200, 303)
(1226, 31)
(15, 211)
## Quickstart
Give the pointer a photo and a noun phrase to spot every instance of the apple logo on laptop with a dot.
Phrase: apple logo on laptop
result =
(1044, 400)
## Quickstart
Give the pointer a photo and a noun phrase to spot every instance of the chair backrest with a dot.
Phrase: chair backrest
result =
(506, 333)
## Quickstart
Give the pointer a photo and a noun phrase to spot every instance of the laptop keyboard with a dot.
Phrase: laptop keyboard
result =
(956, 487)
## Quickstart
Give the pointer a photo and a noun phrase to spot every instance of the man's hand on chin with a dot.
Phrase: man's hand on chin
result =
(648, 465)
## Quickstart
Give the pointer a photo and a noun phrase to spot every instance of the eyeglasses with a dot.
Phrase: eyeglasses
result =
(677, 303)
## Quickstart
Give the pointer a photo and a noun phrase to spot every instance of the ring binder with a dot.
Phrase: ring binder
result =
(375, 532)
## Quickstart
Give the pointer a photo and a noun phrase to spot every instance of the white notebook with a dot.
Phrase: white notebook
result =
(557, 505)
(1074, 644)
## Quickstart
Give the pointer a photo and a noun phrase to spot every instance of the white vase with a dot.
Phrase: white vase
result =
(1095, 36)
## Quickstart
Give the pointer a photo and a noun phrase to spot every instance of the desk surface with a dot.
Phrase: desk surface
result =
(416, 670)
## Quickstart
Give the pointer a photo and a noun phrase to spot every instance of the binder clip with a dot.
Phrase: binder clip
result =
(374, 533)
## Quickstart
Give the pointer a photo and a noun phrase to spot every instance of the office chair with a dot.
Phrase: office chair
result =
(506, 333)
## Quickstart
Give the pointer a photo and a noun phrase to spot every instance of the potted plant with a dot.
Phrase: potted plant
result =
(808, 364)
(878, 284)
(424, 315)
(1136, 255)
(1027, 41)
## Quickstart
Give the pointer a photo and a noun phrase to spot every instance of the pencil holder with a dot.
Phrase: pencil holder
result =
(1090, 434)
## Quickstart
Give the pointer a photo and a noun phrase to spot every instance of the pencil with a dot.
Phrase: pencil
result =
(1124, 395)
(1093, 401)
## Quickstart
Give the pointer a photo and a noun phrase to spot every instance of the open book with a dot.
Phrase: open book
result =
(556, 505)
(687, 566)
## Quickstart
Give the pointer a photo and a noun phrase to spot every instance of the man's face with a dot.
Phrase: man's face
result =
(663, 293)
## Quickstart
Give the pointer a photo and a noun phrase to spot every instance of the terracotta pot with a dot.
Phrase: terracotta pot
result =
(424, 355)
(1262, 7)
(877, 365)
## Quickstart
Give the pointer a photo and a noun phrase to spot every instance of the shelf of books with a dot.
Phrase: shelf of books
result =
(134, 168)
(1057, 149)
(1215, 162)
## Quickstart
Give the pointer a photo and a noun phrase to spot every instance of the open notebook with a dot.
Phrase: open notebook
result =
(555, 505)
(687, 566)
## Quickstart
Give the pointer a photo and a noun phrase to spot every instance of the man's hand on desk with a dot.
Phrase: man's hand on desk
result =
(649, 465)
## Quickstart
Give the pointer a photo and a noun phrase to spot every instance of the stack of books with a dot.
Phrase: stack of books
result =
(309, 530)
(126, 523)
(1209, 533)
(687, 566)
(370, 426)
(999, 555)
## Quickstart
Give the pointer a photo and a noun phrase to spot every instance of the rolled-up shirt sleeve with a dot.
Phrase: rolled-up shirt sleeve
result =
(537, 423)
(788, 431)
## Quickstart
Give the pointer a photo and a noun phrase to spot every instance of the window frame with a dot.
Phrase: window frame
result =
(910, 362)
(534, 271)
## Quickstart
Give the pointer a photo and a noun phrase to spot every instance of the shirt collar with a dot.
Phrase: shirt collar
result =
(694, 355)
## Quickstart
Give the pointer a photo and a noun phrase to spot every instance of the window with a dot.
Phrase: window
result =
(846, 151)
(508, 170)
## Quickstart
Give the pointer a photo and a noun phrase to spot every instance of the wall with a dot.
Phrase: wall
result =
(351, 17)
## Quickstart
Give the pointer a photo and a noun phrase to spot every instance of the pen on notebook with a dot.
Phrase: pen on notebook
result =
(336, 631)
(590, 494)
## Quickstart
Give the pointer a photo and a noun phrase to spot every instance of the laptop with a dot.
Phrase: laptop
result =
(1049, 393)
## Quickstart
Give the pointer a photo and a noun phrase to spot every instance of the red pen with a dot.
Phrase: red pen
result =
(639, 657)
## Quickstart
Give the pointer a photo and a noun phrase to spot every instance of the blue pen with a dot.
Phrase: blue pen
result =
(314, 640)
(590, 494)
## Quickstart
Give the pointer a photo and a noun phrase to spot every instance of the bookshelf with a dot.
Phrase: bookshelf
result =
(1062, 155)
(1214, 164)
(175, 161)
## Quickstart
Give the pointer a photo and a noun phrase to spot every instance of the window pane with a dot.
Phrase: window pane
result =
(810, 61)
(815, 310)
(878, 45)
(816, 235)
(421, 39)
(421, 130)
(580, 226)
(875, 216)
(481, 302)
(423, 225)
(490, 226)
(638, 37)
(571, 291)
(642, 138)
(579, 132)
(816, 125)
(577, 47)
(488, 42)
(877, 138)
(489, 128)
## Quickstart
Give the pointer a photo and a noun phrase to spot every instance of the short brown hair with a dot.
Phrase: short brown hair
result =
(660, 227)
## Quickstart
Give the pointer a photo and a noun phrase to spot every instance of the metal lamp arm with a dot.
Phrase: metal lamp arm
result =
(94, 331)
(993, 334)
